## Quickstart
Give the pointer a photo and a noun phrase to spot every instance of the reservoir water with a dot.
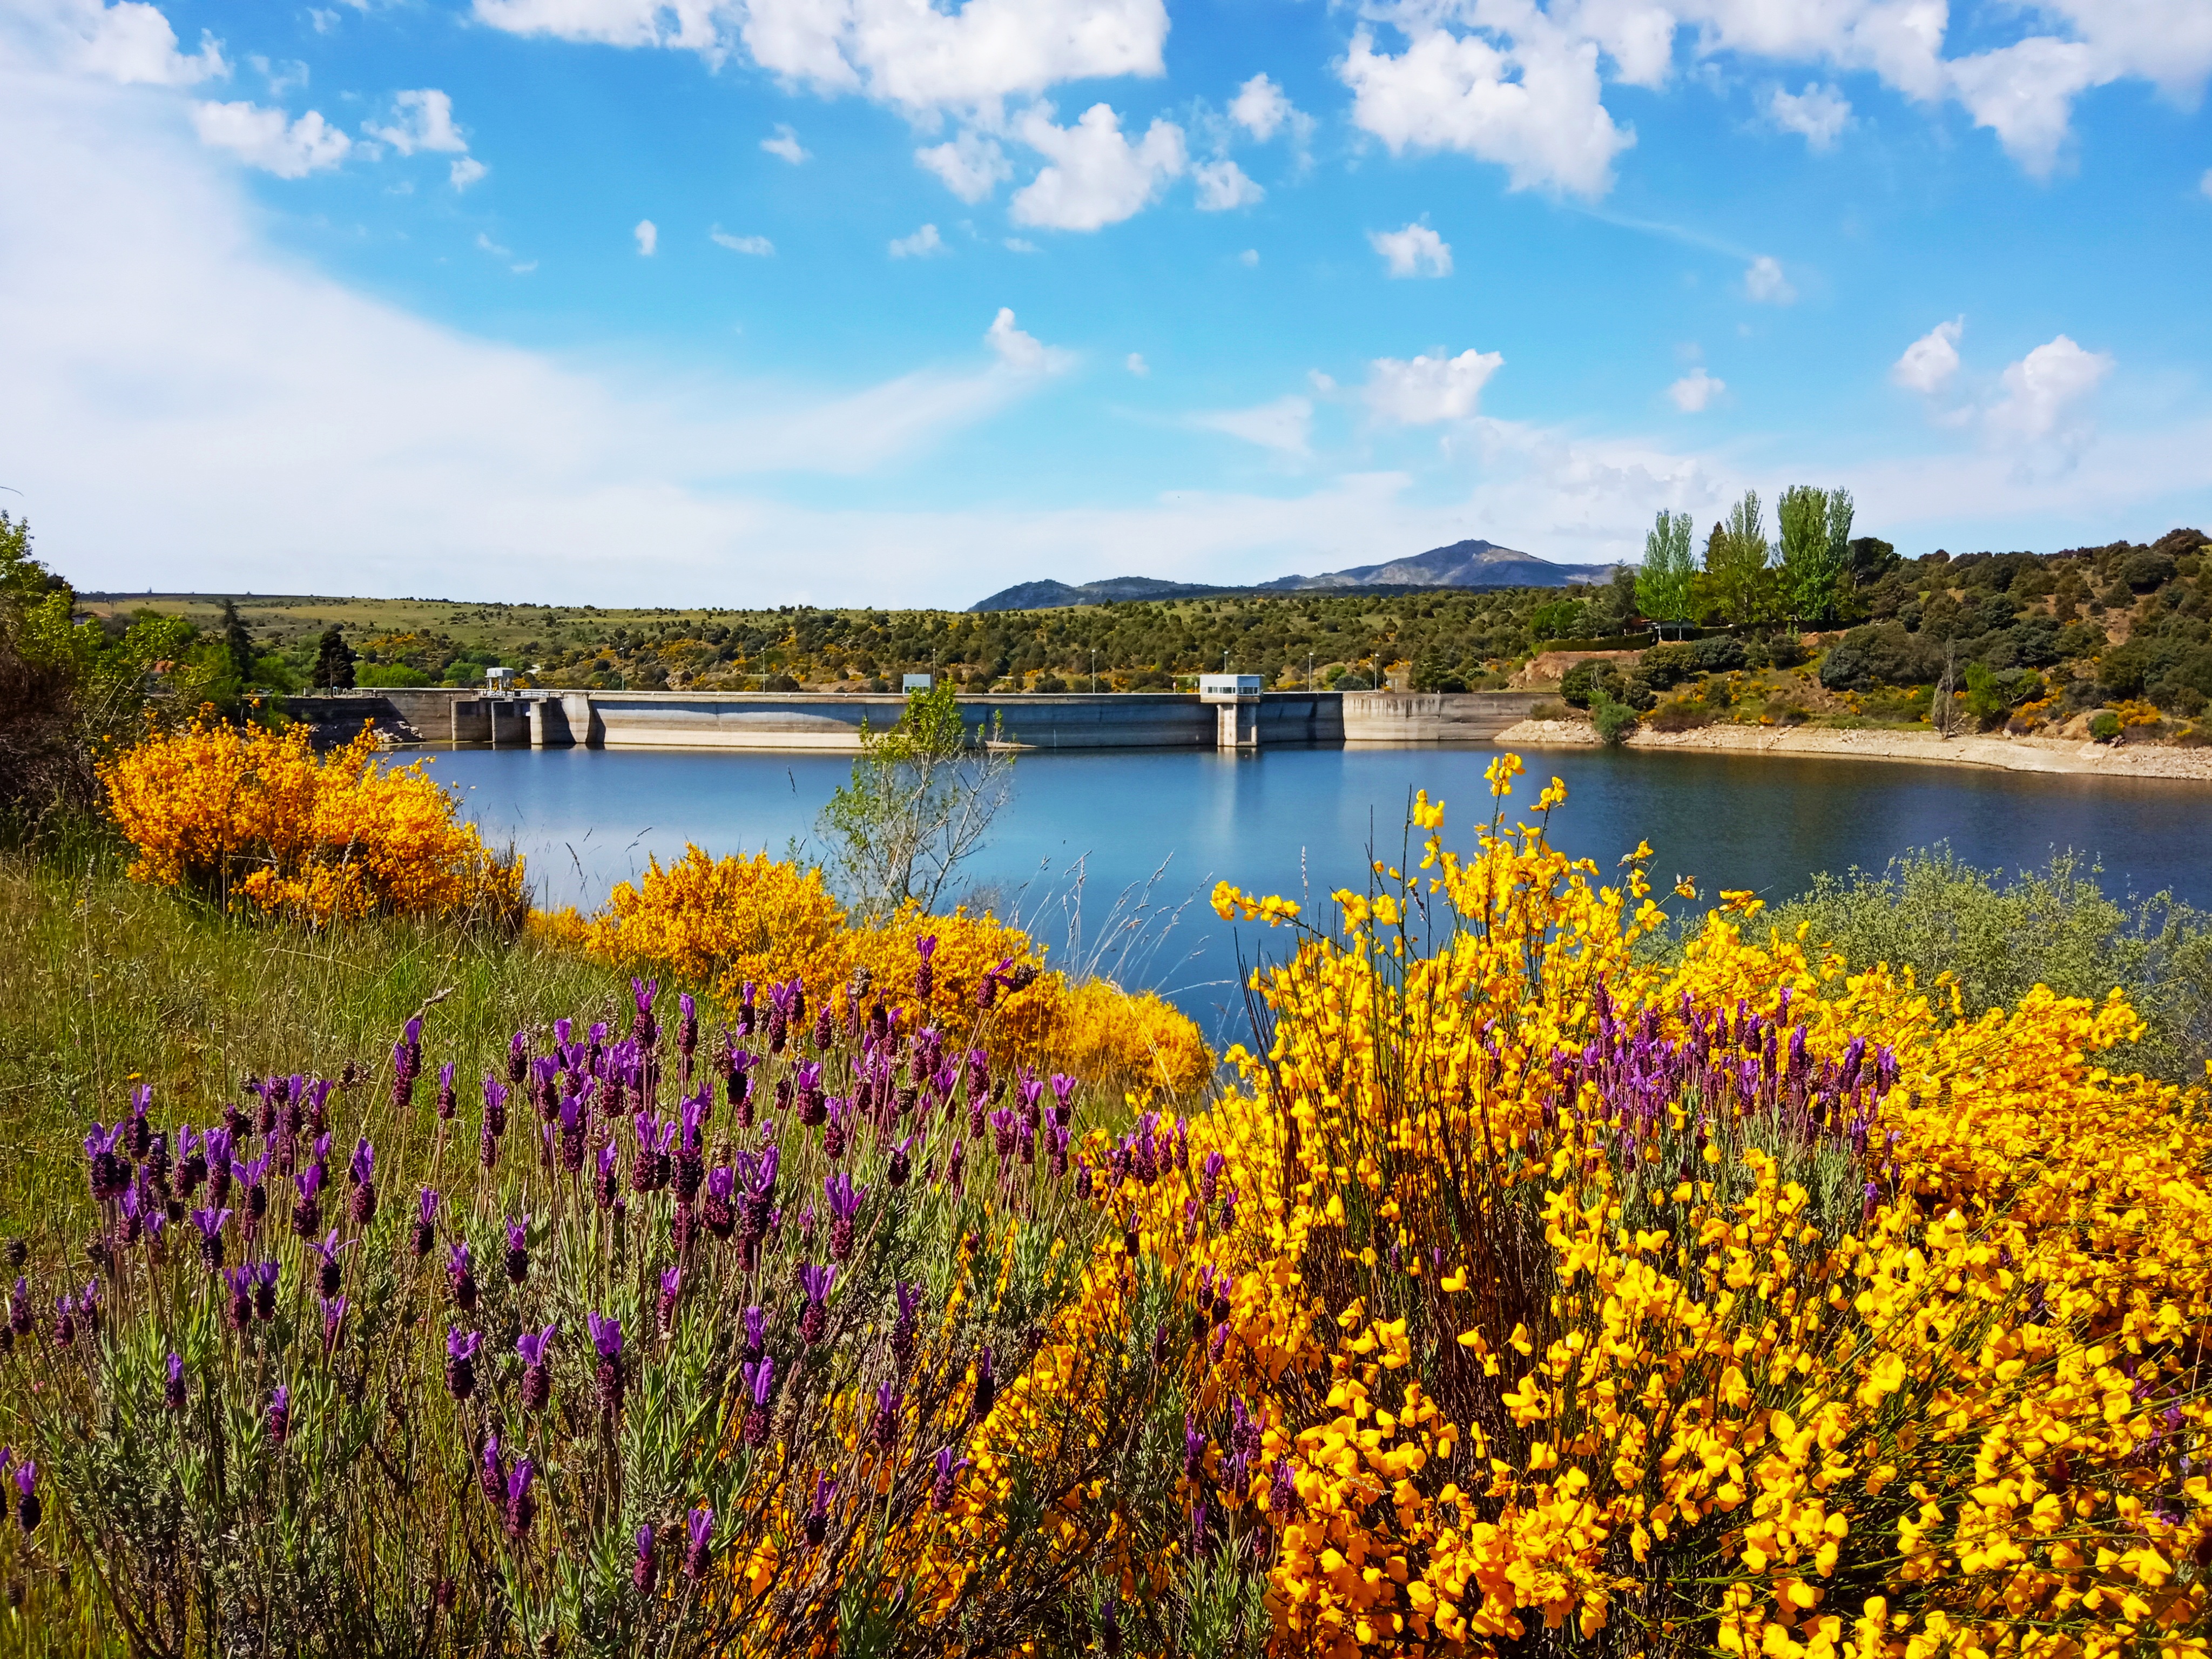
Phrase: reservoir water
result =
(1125, 846)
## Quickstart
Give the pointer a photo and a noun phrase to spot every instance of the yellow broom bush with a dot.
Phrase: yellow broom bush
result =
(726, 922)
(246, 816)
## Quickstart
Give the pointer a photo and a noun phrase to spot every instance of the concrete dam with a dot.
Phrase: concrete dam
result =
(831, 722)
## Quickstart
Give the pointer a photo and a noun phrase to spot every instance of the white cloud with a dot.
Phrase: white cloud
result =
(970, 165)
(1765, 283)
(465, 172)
(1819, 114)
(1427, 390)
(2204, 185)
(1223, 185)
(1095, 176)
(485, 244)
(1023, 353)
(1249, 258)
(423, 120)
(1530, 103)
(1926, 365)
(1285, 426)
(1019, 245)
(649, 238)
(1135, 363)
(2044, 388)
(2024, 92)
(265, 138)
(786, 144)
(1263, 109)
(1416, 251)
(1695, 390)
(282, 79)
(758, 247)
(921, 58)
(922, 244)
(130, 43)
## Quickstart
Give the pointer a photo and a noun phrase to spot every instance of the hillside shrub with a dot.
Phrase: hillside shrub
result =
(1665, 666)
(2103, 726)
(1612, 720)
(253, 819)
(1882, 653)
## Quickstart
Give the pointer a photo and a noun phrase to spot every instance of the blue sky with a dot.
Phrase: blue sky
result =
(761, 301)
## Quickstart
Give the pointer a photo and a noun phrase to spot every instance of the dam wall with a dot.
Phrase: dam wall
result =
(831, 722)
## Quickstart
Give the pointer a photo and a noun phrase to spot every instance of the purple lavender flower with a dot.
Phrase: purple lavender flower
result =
(64, 1319)
(363, 1172)
(536, 1378)
(687, 1031)
(987, 1388)
(334, 1312)
(425, 1233)
(461, 1348)
(172, 1389)
(721, 1211)
(1209, 1177)
(19, 1309)
(700, 1525)
(948, 1471)
(1193, 1448)
(1056, 1150)
(448, 1100)
(845, 1201)
(280, 1414)
(816, 1283)
(461, 1276)
(1063, 1098)
(518, 1248)
(107, 1172)
(1002, 1133)
(902, 1163)
(1197, 1529)
(522, 1506)
(671, 1293)
(211, 1222)
(607, 1182)
(1109, 1625)
(891, 1404)
(264, 1275)
(642, 1575)
(494, 1098)
(906, 1331)
(607, 1338)
(191, 1160)
(818, 1515)
(27, 1495)
(759, 1377)
(491, 1472)
(1283, 1491)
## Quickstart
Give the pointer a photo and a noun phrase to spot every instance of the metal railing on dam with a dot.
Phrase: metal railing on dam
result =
(831, 721)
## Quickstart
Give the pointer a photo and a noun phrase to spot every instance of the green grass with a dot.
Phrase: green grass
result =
(108, 983)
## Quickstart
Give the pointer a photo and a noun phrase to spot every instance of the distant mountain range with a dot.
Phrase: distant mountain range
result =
(1463, 564)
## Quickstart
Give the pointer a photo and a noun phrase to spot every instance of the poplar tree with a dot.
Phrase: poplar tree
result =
(1662, 582)
(1735, 561)
(1816, 534)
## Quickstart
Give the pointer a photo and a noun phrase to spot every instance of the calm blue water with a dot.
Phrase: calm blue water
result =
(1125, 846)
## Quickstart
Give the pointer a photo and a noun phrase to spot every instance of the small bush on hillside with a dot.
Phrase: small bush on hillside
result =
(1999, 938)
(1614, 720)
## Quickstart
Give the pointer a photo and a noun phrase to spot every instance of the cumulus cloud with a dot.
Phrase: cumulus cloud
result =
(1263, 109)
(1135, 363)
(785, 145)
(1223, 185)
(1819, 114)
(1022, 244)
(1765, 283)
(465, 172)
(918, 57)
(649, 238)
(1022, 352)
(130, 43)
(1416, 251)
(1285, 426)
(1249, 258)
(1528, 103)
(1928, 364)
(757, 247)
(1426, 389)
(1695, 390)
(1094, 176)
(2044, 391)
(970, 165)
(267, 139)
(923, 244)
(421, 120)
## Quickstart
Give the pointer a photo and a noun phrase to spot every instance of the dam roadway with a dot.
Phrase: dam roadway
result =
(831, 722)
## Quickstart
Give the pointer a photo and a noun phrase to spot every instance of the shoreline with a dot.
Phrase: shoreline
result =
(2007, 754)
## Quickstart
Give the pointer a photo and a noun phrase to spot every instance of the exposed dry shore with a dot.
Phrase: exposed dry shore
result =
(2006, 753)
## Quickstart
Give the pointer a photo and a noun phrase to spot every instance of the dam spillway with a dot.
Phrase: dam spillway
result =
(831, 722)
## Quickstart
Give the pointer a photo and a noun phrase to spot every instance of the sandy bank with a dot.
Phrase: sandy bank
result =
(2006, 753)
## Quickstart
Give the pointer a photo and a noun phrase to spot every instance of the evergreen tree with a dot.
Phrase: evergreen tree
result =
(237, 644)
(334, 660)
(1662, 582)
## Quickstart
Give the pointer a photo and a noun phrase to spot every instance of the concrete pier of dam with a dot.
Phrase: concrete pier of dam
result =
(831, 722)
